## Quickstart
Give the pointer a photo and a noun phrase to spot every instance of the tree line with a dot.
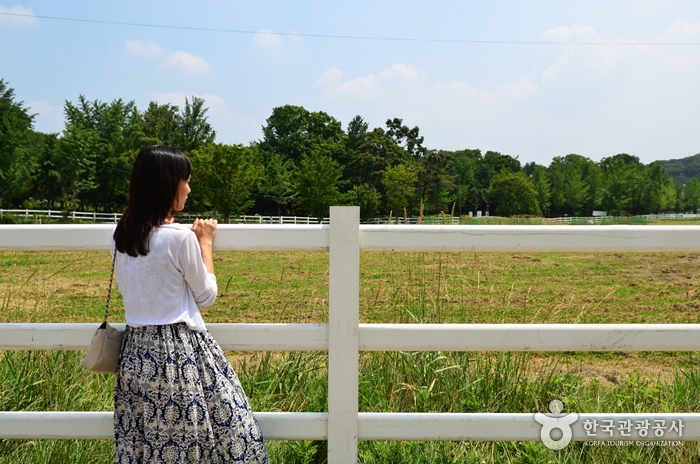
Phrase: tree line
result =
(305, 162)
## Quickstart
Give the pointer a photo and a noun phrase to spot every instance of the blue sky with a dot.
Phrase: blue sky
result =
(534, 101)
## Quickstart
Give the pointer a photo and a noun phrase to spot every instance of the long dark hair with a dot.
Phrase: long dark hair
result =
(155, 177)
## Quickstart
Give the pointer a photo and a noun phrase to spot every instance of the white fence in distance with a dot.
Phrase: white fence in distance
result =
(344, 338)
(438, 219)
(93, 216)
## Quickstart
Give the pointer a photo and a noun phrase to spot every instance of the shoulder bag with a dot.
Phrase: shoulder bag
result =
(106, 345)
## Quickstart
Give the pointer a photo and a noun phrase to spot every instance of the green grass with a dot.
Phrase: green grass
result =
(52, 381)
(395, 287)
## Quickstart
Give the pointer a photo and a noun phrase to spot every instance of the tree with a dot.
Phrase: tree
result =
(75, 169)
(575, 193)
(367, 162)
(409, 139)
(485, 168)
(557, 181)
(400, 186)
(655, 194)
(194, 128)
(47, 186)
(622, 184)
(542, 188)
(225, 176)
(162, 124)
(692, 194)
(16, 163)
(366, 197)
(357, 132)
(187, 129)
(495, 163)
(463, 166)
(513, 195)
(669, 200)
(317, 178)
(575, 185)
(100, 142)
(433, 178)
(278, 181)
(294, 131)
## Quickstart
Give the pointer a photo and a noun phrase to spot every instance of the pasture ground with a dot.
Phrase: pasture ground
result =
(395, 287)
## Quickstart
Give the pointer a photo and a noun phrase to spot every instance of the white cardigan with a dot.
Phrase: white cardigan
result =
(166, 285)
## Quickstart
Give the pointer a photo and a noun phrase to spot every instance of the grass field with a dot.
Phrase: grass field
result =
(395, 287)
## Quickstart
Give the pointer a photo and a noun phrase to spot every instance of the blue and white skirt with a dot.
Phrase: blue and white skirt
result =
(178, 400)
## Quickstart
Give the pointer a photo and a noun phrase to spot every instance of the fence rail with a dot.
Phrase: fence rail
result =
(343, 337)
(370, 426)
(396, 337)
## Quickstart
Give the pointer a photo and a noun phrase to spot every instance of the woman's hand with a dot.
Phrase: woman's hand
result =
(205, 230)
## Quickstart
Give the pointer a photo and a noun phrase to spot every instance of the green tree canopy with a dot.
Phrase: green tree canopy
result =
(542, 187)
(224, 176)
(366, 197)
(367, 162)
(162, 124)
(99, 143)
(407, 138)
(623, 184)
(16, 162)
(294, 131)
(400, 185)
(318, 179)
(278, 182)
(512, 194)
(194, 127)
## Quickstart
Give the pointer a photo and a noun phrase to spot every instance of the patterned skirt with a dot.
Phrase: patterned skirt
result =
(178, 400)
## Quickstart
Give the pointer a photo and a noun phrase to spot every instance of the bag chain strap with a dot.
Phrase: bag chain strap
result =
(111, 277)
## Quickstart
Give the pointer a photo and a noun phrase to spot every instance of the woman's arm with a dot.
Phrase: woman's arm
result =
(205, 230)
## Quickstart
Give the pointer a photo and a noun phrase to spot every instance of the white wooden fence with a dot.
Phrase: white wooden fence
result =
(35, 214)
(436, 219)
(344, 338)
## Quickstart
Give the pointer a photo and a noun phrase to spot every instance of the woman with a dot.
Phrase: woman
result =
(176, 397)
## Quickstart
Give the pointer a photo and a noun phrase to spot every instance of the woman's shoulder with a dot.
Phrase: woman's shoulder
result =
(174, 231)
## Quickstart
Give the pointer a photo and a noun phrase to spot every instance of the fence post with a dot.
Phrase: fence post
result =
(343, 330)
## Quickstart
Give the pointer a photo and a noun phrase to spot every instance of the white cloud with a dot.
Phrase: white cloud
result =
(450, 115)
(524, 88)
(144, 49)
(682, 31)
(268, 40)
(581, 56)
(179, 60)
(276, 44)
(48, 118)
(191, 64)
(28, 17)
(402, 81)
(335, 84)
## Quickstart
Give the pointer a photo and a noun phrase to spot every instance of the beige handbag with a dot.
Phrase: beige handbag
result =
(106, 344)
